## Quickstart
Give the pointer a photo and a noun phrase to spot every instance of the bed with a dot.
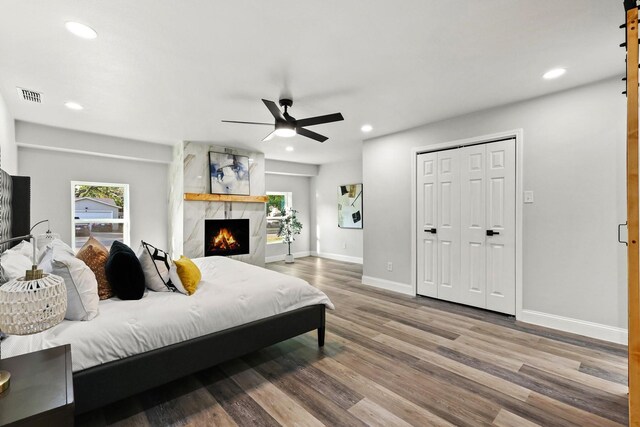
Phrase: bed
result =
(132, 346)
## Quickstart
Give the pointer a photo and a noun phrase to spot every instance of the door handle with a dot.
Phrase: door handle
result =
(619, 238)
(492, 233)
(431, 230)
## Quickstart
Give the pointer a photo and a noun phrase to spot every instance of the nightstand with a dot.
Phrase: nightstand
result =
(41, 391)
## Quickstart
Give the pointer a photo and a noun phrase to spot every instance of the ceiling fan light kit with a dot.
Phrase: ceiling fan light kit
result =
(285, 129)
(287, 126)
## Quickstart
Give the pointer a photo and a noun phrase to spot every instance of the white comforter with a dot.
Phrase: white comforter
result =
(231, 293)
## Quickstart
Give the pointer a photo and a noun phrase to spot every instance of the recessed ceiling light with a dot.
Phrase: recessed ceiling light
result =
(289, 148)
(81, 30)
(73, 105)
(366, 128)
(554, 74)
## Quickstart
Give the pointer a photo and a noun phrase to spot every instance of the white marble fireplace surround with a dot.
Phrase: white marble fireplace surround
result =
(189, 173)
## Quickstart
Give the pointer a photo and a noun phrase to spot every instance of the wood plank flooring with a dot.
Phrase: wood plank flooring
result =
(393, 360)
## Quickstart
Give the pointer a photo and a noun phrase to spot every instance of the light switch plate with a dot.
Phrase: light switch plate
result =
(528, 196)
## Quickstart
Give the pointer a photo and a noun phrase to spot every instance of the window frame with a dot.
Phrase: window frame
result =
(288, 204)
(125, 220)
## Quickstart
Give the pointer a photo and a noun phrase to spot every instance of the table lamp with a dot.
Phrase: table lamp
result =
(44, 239)
(30, 304)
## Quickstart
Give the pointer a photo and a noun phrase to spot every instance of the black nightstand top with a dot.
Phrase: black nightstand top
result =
(41, 387)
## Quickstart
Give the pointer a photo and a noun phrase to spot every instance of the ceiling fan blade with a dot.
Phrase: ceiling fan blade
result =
(318, 120)
(270, 136)
(277, 114)
(310, 134)
(247, 123)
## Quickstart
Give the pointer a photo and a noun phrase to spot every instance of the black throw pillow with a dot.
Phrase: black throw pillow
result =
(124, 272)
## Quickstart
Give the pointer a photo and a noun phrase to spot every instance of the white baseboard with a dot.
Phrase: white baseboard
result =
(403, 288)
(575, 326)
(276, 258)
(337, 257)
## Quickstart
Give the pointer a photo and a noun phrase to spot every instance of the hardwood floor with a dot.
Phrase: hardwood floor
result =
(392, 360)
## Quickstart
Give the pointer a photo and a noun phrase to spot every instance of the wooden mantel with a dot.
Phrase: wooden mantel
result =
(201, 197)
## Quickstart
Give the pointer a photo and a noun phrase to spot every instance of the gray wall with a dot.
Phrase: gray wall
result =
(300, 187)
(279, 167)
(327, 239)
(52, 171)
(8, 150)
(574, 161)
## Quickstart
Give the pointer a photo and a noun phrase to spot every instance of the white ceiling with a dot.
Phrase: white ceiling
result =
(165, 71)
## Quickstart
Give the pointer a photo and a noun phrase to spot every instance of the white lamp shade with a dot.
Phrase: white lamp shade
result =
(32, 306)
(46, 238)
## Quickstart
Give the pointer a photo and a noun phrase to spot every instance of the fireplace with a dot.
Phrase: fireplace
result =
(226, 237)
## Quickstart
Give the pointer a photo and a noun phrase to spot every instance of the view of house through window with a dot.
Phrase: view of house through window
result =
(100, 210)
(277, 205)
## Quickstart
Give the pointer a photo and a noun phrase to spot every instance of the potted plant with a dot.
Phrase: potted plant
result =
(289, 227)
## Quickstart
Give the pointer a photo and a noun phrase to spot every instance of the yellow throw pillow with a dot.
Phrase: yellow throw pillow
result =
(185, 275)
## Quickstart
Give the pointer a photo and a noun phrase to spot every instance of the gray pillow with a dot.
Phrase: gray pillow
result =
(81, 283)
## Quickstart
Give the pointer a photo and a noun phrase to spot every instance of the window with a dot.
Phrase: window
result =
(100, 210)
(277, 205)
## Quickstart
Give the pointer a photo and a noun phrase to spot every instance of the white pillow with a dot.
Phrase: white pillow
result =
(13, 265)
(45, 253)
(81, 284)
(155, 266)
(175, 279)
(25, 248)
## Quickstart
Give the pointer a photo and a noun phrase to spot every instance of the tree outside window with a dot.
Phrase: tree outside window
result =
(276, 206)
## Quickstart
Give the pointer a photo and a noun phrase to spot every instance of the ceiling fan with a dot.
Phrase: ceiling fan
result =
(288, 126)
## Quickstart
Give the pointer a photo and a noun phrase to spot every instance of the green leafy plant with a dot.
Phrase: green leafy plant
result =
(289, 227)
(114, 193)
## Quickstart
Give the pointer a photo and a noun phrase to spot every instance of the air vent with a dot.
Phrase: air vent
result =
(29, 95)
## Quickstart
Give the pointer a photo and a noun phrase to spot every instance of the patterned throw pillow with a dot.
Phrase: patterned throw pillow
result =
(155, 265)
(95, 255)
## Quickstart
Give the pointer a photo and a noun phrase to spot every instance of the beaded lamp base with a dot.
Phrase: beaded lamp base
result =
(31, 306)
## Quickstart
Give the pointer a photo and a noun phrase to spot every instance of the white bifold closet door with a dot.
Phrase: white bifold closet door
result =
(466, 225)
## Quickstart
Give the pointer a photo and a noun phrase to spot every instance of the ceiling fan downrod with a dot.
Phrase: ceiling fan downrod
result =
(286, 103)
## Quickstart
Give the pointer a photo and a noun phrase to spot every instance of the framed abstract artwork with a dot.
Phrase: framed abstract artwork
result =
(350, 206)
(229, 173)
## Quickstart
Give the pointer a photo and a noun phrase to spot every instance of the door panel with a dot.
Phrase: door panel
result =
(448, 216)
(472, 225)
(427, 220)
(501, 251)
(495, 267)
(496, 203)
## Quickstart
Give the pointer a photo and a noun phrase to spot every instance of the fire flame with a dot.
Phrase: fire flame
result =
(224, 241)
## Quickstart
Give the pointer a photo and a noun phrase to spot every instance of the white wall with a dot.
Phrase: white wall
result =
(8, 149)
(327, 239)
(574, 161)
(51, 172)
(300, 187)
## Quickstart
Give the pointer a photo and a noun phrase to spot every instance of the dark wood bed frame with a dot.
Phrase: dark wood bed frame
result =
(100, 385)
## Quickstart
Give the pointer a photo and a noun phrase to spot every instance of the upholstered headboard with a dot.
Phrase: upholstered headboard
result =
(15, 207)
(6, 213)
